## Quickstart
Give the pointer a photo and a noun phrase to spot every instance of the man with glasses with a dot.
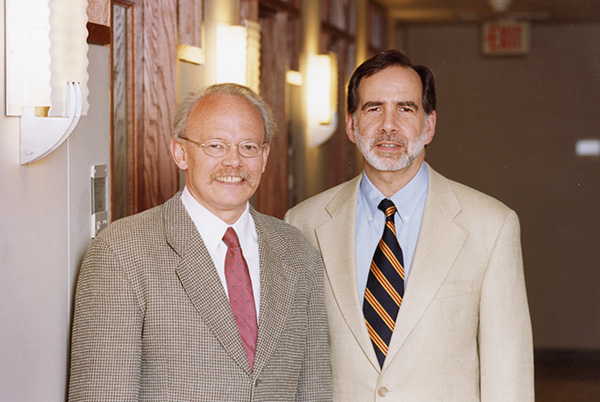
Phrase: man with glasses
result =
(203, 298)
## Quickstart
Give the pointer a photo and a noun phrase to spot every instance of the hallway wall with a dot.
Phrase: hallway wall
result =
(508, 127)
(45, 212)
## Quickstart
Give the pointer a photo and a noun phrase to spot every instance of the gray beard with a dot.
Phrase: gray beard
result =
(386, 164)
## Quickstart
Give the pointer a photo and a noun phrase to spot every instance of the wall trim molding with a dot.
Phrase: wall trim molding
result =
(99, 34)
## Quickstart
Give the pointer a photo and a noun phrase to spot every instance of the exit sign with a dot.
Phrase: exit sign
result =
(505, 38)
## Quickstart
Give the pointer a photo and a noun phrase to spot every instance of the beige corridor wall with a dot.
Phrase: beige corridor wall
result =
(44, 231)
(508, 126)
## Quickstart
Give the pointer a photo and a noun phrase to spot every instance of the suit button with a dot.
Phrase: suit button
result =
(383, 391)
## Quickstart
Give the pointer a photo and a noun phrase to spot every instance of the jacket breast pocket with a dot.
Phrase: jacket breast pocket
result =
(453, 289)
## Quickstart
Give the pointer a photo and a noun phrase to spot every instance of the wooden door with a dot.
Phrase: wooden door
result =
(144, 95)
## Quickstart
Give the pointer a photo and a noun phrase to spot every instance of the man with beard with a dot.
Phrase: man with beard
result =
(203, 298)
(424, 290)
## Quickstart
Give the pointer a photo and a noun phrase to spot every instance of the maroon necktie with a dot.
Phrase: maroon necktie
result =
(241, 297)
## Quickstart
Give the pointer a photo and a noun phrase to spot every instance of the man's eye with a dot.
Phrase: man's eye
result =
(216, 146)
(250, 147)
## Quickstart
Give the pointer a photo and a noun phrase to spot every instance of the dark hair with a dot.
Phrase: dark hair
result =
(389, 58)
(184, 109)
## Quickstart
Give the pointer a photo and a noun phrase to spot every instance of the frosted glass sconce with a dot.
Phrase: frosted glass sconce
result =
(321, 98)
(46, 71)
(238, 54)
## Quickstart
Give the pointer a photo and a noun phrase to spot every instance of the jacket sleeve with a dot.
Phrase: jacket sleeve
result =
(505, 338)
(314, 384)
(107, 328)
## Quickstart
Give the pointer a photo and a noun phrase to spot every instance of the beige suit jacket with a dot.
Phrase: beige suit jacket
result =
(463, 332)
(153, 323)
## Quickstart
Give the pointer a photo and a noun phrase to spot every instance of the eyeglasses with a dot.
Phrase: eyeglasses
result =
(219, 148)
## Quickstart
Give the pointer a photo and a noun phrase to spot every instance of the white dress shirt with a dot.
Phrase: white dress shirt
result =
(212, 229)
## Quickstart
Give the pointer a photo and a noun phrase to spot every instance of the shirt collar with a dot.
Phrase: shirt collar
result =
(406, 199)
(212, 228)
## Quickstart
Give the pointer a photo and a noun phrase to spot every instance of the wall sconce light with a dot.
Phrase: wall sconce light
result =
(46, 71)
(238, 54)
(321, 97)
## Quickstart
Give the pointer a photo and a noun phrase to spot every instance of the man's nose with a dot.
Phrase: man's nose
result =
(389, 120)
(232, 157)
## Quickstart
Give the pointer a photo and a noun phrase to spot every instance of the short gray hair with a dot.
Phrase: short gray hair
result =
(184, 109)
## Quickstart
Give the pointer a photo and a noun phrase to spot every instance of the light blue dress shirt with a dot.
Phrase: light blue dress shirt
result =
(370, 221)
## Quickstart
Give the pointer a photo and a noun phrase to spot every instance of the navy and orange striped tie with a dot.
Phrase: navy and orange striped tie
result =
(385, 285)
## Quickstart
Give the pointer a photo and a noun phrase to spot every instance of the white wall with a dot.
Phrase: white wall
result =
(44, 231)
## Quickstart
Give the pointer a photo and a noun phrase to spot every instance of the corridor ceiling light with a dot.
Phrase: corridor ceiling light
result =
(46, 71)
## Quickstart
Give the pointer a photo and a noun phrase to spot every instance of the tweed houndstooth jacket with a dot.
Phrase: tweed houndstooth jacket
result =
(152, 320)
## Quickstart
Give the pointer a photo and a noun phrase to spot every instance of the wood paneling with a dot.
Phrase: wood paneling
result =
(137, 101)
(152, 96)
(122, 127)
(148, 99)
(99, 21)
(249, 10)
(190, 22)
(98, 34)
(339, 162)
(342, 163)
(378, 30)
(155, 170)
(99, 12)
(272, 194)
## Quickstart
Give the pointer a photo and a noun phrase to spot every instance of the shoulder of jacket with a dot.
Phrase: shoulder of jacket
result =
(322, 199)
(276, 226)
(141, 224)
(470, 196)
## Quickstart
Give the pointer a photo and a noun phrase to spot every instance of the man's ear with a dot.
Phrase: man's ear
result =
(179, 154)
(265, 156)
(350, 127)
(430, 126)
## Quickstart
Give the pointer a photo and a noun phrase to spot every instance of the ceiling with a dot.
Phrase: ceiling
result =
(435, 11)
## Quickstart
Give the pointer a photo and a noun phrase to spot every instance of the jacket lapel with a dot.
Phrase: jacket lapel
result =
(200, 280)
(440, 241)
(278, 281)
(337, 241)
